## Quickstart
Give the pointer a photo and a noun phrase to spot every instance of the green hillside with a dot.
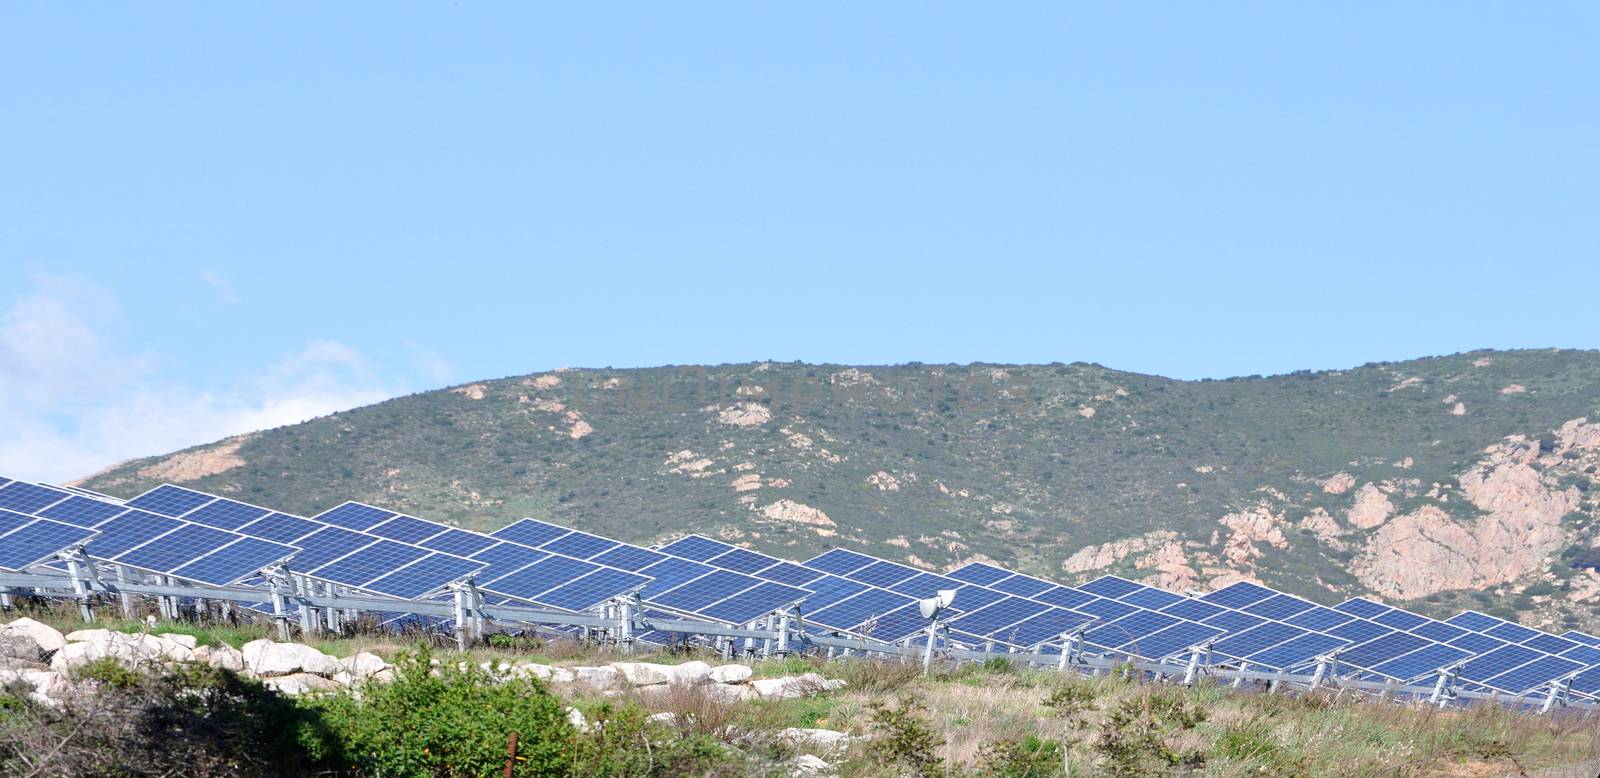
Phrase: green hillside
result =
(1026, 465)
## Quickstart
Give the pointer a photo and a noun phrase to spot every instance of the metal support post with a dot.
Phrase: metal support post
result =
(783, 635)
(1321, 671)
(308, 625)
(1193, 668)
(80, 588)
(766, 643)
(1439, 688)
(461, 619)
(125, 599)
(1556, 694)
(927, 650)
(1238, 680)
(625, 626)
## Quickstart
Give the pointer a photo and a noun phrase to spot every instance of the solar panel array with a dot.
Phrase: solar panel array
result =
(207, 539)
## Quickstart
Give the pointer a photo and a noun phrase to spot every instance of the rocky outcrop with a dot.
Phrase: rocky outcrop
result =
(1371, 508)
(1106, 554)
(1171, 566)
(1339, 483)
(1250, 527)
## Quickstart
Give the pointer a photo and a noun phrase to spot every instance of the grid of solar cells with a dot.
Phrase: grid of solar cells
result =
(281, 527)
(82, 511)
(239, 560)
(753, 603)
(368, 563)
(502, 559)
(709, 588)
(854, 611)
(37, 541)
(225, 514)
(695, 548)
(169, 500)
(423, 576)
(176, 548)
(530, 532)
(10, 520)
(592, 589)
(129, 529)
(354, 515)
(840, 561)
(670, 573)
(579, 545)
(741, 560)
(24, 497)
(540, 577)
(980, 574)
(459, 542)
(407, 529)
(325, 545)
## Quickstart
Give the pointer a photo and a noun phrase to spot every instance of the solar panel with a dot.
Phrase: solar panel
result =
(128, 530)
(540, 577)
(1193, 610)
(592, 589)
(238, 560)
(741, 560)
(1375, 652)
(368, 563)
(753, 603)
(1046, 626)
(1152, 598)
(969, 597)
(407, 529)
(325, 545)
(1110, 586)
(1473, 620)
(882, 574)
(580, 545)
(924, 585)
(1512, 633)
(853, 611)
(1588, 655)
(1476, 643)
(1237, 595)
(669, 574)
(1359, 631)
(1581, 637)
(1498, 661)
(354, 515)
(1425, 660)
(696, 548)
(458, 541)
(176, 548)
(790, 573)
(225, 514)
(1550, 644)
(1258, 638)
(839, 561)
(897, 624)
(1106, 610)
(37, 541)
(1296, 650)
(1064, 597)
(1278, 607)
(1530, 676)
(993, 618)
(1233, 621)
(1023, 586)
(707, 589)
(1438, 631)
(24, 497)
(979, 573)
(82, 511)
(169, 500)
(1400, 619)
(1362, 608)
(1169, 641)
(630, 558)
(1319, 619)
(530, 532)
(280, 527)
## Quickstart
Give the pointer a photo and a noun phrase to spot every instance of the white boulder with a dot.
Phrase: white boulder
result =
(731, 674)
(297, 684)
(665, 717)
(47, 637)
(794, 686)
(644, 673)
(806, 764)
(224, 657)
(363, 665)
(598, 677)
(130, 650)
(88, 635)
(187, 641)
(266, 659)
(825, 740)
(692, 673)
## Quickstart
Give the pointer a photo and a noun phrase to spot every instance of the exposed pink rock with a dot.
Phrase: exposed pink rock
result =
(1171, 566)
(1371, 508)
(1339, 483)
(1106, 554)
(1321, 524)
(1252, 526)
(1513, 389)
(1578, 434)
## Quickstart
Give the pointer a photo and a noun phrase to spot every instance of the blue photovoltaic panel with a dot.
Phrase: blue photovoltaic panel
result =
(1400, 619)
(1359, 631)
(1164, 643)
(369, 564)
(1376, 652)
(839, 561)
(580, 545)
(459, 542)
(1238, 595)
(280, 527)
(504, 559)
(1512, 633)
(1253, 640)
(1064, 597)
(10, 520)
(1581, 637)
(326, 545)
(354, 515)
(1110, 586)
(860, 608)
(1533, 674)
(741, 561)
(630, 558)
(24, 497)
(829, 590)
(897, 624)
(35, 542)
(1319, 619)
(1495, 662)
(924, 585)
(423, 576)
(1192, 609)
(1050, 625)
(1023, 586)
(753, 603)
(1361, 608)
(530, 532)
(882, 574)
(1128, 630)
(176, 548)
(1152, 598)
(791, 574)
(169, 500)
(1422, 661)
(1550, 644)
(970, 597)
(1473, 620)
(1295, 650)
(225, 514)
(980, 574)
(1587, 682)
(1588, 655)
(707, 589)
(1438, 631)
(4, 480)
(1477, 644)
(696, 548)
(81, 511)
(669, 574)
(240, 559)
(592, 589)
(407, 529)
(540, 577)
(1233, 621)
(1106, 610)
(992, 619)
(1278, 608)
(126, 531)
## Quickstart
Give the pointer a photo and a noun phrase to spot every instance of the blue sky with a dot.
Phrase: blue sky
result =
(215, 217)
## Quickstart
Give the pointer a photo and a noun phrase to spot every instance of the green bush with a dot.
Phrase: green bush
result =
(448, 720)
(904, 739)
(1030, 757)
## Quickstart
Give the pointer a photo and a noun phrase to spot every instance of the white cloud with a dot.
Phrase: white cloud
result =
(72, 402)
